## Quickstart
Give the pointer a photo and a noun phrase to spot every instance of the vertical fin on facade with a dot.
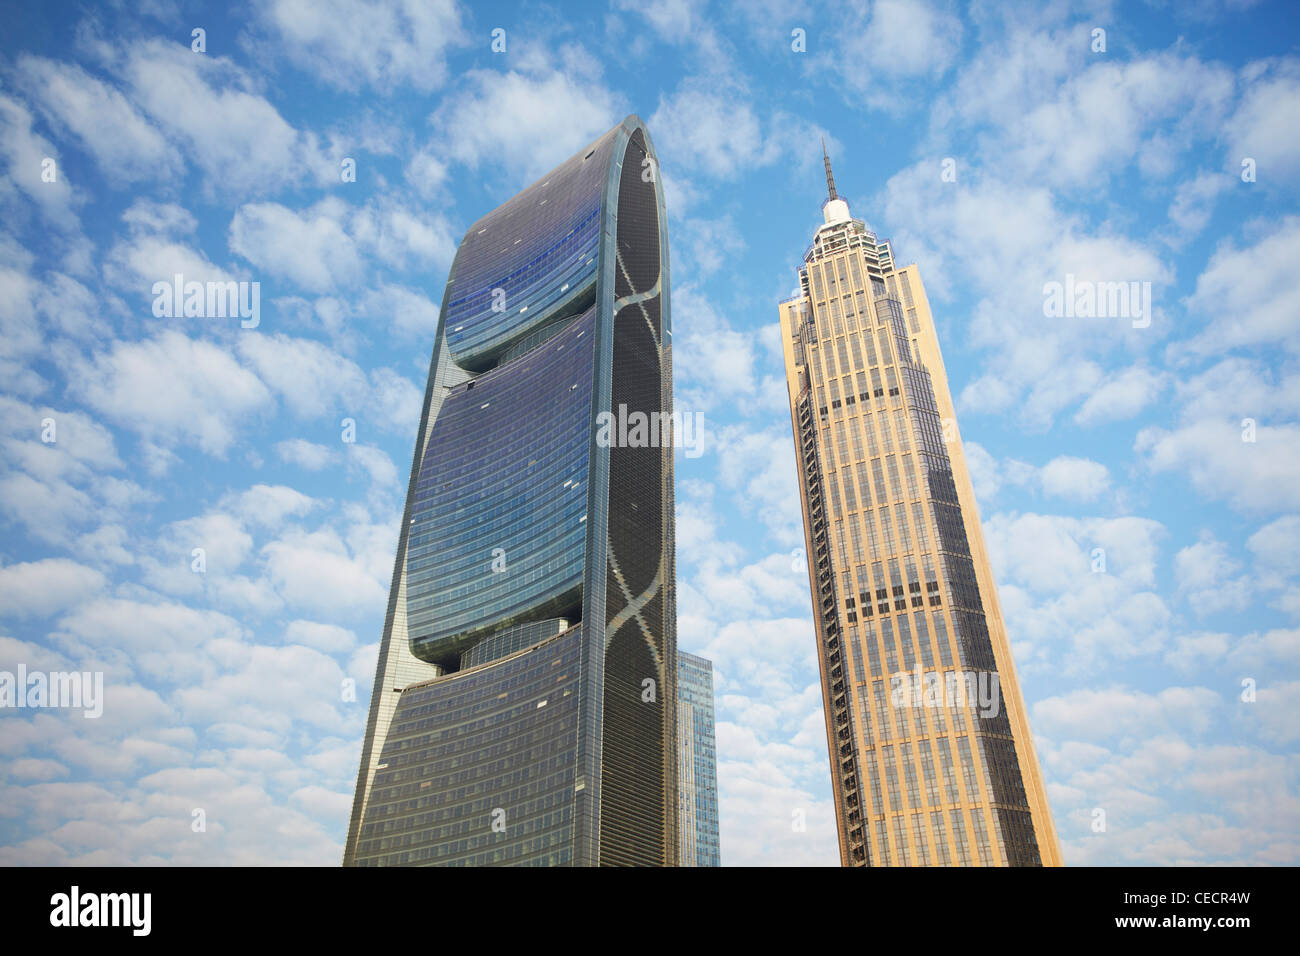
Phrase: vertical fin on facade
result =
(638, 790)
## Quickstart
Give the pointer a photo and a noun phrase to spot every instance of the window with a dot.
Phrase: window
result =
(949, 772)
(923, 639)
(919, 845)
(927, 771)
(900, 836)
(891, 778)
(870, 346)
(940, 837)
(887, 639)
(959, 837)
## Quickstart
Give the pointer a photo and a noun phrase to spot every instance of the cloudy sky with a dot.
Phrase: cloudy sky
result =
(1171, 156)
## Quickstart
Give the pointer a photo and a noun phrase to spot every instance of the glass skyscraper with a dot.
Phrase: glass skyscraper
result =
(697, 763)
(932, 761)
(524, 705)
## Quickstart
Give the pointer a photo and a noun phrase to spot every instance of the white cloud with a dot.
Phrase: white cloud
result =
(1236, 388)
(1275, 551)
(405, 311)
(271, 687)
(1193, 203)
(983, 469)
(771, 740)
(1275, 651)
(1121, 396)
(70, 309)
(1259, 128)
(1153, 788)
(209, 395)
(374, 463)
(1077, 479)
(52, 488)
(317, 571)
(150, 217)
(1051, 552)
(224, 542)
(21, 339)
(426, 172)
(37, 769)
(1102, 117)
(400, 237)
(1263, 475)
(1036, 364)
(710, 129)
(159, 642)
(379, 43)
(528, 123)
(770, 802)
(883, 50)
(709, 244)
(777, 582)
(47, 510)
(249, 820)
(717, 367)
(267, 506)
(1260, 281)
(681, 23)
(1099, 715)
(760, 466)
(1190, 651)
(24, 152)
(136, 263)
(327, 638)
(306, 454)
(228, 129)
(127, 147)
(311, 250)
(1205, 574)
(80, 448)
(1065, 476)
(312, 378)
(395, 401)
(105, 545)
(1078, 593)
(42, 588)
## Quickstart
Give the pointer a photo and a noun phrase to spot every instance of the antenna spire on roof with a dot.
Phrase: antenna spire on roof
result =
(830, 179)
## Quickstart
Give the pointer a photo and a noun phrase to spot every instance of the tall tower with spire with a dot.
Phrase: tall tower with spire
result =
(932, 760)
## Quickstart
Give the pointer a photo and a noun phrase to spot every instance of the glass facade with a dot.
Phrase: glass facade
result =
(527, 261)
(916, 667)
(511, 639)
(437, 801)
(697, 763)
(489, 546)
(524, 703)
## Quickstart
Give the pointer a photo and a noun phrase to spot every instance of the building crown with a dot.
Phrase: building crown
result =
(834, 209)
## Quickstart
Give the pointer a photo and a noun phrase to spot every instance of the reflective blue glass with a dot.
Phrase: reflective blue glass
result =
(498, 528)
(500, 743)
(521, 264)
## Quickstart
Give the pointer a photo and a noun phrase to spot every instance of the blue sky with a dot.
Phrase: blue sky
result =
(222, 689)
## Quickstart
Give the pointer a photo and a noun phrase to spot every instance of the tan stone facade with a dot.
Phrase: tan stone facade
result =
(932, 758)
